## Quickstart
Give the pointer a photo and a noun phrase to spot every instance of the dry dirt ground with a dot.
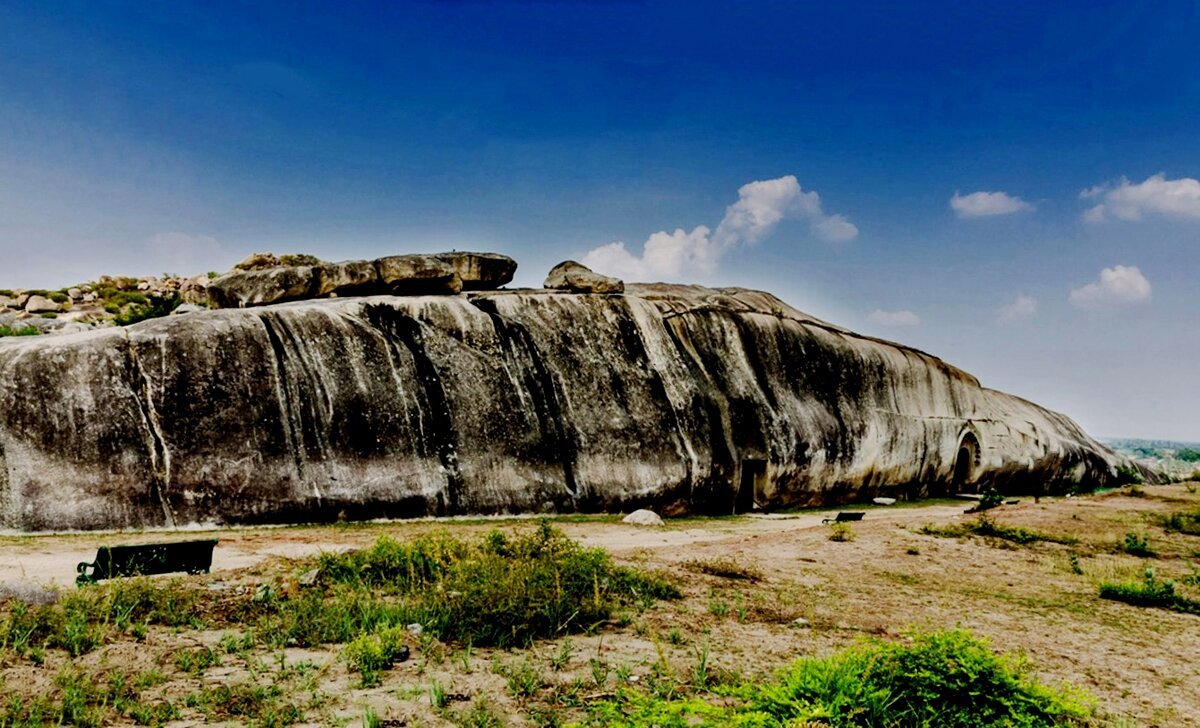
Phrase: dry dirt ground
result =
(1143, 664)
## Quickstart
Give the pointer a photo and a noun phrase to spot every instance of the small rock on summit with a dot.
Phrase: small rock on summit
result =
(578, 278)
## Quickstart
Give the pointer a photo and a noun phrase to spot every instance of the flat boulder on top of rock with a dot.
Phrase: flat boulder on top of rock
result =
(348, 278)
(578, 278)
(643, 517)
(243, 288)
(480, 271)
(418, 275)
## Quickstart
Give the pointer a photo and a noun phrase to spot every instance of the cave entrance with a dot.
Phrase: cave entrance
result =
(751, 491)
(965, 461)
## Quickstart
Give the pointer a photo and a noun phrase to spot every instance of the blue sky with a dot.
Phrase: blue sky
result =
(140, 137)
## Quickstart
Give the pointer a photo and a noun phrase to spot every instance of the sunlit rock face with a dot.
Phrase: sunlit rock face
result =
(681, 398)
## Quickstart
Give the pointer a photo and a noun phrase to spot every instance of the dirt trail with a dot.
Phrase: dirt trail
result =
(51, 559)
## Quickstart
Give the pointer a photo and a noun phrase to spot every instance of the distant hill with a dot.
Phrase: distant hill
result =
(1175, 457)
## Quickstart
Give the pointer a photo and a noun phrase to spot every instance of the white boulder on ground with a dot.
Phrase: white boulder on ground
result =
(643, 517)
(41, 304)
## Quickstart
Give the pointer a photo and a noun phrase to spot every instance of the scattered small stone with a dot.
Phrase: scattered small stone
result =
(415, 629)
(403, 654)
(643, 517)
(800, 622)
(187, 308)
(309, 577)
(883, 501)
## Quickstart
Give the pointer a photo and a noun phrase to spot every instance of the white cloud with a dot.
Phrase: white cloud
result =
(1116, 286)
(760, 207)
(1021, 309)
(181, 253)
(894, 318)
(987, 204)
(1178, 198)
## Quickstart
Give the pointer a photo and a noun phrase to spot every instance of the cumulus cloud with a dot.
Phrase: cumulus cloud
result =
(894, 318)
(1157, 195)
(987, 204)
(182, 253)
(1021, 309)
(760, 207)
(1116, 286)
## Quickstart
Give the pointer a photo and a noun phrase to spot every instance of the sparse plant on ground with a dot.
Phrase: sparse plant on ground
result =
(1186, 522)
(1137, 544)
(725, 567)
(18, 331)
(371, 653)
(945, 679)
(1149, 592)
(988, 527)
(840, 532)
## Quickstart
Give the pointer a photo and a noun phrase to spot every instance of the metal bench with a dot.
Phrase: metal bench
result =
(844, 516)
(194, 557)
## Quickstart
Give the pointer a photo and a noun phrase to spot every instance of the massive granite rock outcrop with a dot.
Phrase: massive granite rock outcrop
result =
(685, 398)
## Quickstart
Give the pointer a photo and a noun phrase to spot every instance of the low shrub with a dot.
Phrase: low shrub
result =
(18, 331)
(841, 532)
(1149, 592)
(950, 679)
(987, 527)
(1188, 523)
(499, 591)
(370, 654)
(1137, 544)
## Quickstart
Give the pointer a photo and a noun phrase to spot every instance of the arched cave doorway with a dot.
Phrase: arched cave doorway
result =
(751, 489)
(966, 460)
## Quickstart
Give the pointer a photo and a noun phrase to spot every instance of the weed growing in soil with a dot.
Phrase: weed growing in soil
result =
(500, 591)
(841, 532)
(948, 679)
(724, 567)
(1187, 523)
(987, 527)
(1137, 544)
(1150, 592)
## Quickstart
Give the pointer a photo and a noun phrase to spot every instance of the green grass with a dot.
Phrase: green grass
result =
(1187, 523)
(949, 679)
(989, 528)
(1150, 592)
(79, 698)
(18, 331)
(501, 590)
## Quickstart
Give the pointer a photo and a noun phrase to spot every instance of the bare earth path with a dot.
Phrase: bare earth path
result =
(1142, 664)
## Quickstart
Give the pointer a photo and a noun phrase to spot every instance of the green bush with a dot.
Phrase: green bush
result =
(1137, 544)
(499, 591)
(371, 653)
(18, 331)
(1149, 592)
(944, 679)
(990, 528)
(1188, 523)
(155, 307)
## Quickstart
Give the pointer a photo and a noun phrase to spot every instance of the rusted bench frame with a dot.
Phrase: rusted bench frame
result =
(194, 557)
(844, 516)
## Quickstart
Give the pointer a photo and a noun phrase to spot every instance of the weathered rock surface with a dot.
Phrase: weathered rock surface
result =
(418, 274)
(571, 276)
(41, 304)
(643, 517)
(680, 398)
(407, 275)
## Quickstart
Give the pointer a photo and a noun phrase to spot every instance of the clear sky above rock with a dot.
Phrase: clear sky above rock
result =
(1012, 187)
